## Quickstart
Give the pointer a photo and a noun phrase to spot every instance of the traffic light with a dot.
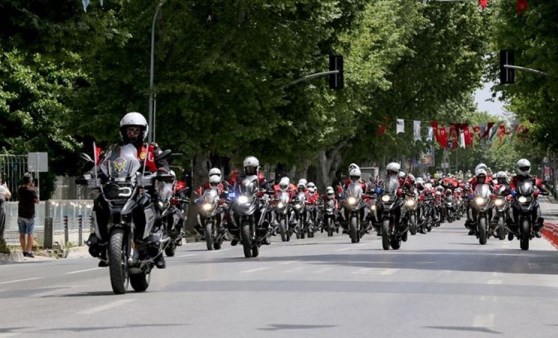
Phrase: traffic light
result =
(507, 75)
(336, 80)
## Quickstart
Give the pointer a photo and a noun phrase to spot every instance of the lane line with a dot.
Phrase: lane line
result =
(494, 282)
(106, 306)
(287, 262)
(344, 249)
(322, 270)
(20, 280)
(388, 272)
(256, 269)
(85, 270)
(190, 255)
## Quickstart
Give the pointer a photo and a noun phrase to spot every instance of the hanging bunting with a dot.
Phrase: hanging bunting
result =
(521, 6)
(416, 131)
(400, 126)
(483, 4)
(430, 135)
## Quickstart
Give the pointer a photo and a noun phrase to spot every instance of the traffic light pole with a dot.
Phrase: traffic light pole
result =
(311, 76)
(527, 69)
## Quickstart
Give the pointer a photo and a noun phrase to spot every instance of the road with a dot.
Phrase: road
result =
(443, 284)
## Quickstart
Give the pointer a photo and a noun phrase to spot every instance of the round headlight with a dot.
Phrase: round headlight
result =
(242, 199)
(499, 202)
(207, 206)
(385, 198)
(351, 200)
(410, 202)
(297, 206)
(522, 199)
(373, 208)
(479, 201)
(280, 205)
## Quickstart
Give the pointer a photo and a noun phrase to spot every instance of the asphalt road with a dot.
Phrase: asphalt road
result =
(443, 284)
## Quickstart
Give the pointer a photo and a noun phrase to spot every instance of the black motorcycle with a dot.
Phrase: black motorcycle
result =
(210, 218)
(282, 210)
(391, 210)
(524, 216)
(356, 211)
(329, 216)
(250, 224)
(134, 237)
(481, 208)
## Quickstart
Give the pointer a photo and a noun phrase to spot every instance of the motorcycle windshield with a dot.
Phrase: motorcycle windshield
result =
(391, 185)
(164, 190)
(284, 197)
(300, 197)
(525, 188)
(354, 190)
(209, 196)
(248, 185)
(121, 163)
(482, 190)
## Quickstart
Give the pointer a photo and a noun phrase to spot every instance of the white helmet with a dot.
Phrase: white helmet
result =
(302, 181)
(523, 167)
(481, 166)
(284, 183)
(330, 191)
(393, 166)
(402, 174)
(354, 174)
(353, 166)
(215, 171)
(311, 187)
(480, 172)
(133, 119)
(251, 165)
(214, 179)
(420, 181)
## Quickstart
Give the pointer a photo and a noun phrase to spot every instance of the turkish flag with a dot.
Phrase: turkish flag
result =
(442, 137)
(521, 6)
(454, 135)
(468, 136)
(501, 131)
(483, 3)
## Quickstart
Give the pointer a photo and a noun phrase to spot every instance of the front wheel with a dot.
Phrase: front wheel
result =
(353, 230)
(170, 249)
(283, 229)
(501, 232)
(209, 235)
(385, 234)
(413, 224)
(140, 281)
(482, 231)
(118, 254)
(246, 236)
(329, 227)
(525, 232)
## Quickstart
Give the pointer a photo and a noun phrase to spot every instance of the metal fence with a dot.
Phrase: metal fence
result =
(12, 168)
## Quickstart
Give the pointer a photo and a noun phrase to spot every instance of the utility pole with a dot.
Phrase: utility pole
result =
(152, 96)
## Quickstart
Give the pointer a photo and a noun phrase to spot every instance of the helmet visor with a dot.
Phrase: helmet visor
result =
(526, 168)
(250, 170)
(354, 178)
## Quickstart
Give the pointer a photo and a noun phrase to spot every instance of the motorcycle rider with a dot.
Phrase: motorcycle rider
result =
(214, 181)
(523, 169)
(133, 130)
(312, 199)
(481, 177)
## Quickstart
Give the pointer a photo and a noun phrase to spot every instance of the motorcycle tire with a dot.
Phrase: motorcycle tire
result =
(483, 233)
(525, 233)
(118, 258)
(217, 245)
(395, 243)
(255, 251)
(170, 250)
(140, 281)
(283, 229)
(353, 230)
(501, 232)
(385, 234)
(209, 235)
(246, 236)
(413, 225)
(329, 227)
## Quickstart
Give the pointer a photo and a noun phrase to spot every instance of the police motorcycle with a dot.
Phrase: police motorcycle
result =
(127, 202)
(356, 211)
(481, 212)
(391, 210)
(524, 208)
(210, 218)
(329, 214)
(411, 208)
(500, 214)
(281, 210)
(172, 211)
(450, 206)
(250, 216)
(299, 217)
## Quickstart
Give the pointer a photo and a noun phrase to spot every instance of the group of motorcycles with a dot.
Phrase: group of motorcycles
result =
(145, 213)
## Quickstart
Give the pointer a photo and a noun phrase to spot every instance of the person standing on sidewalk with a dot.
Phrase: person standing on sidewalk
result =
(27, 197)
(5, 195)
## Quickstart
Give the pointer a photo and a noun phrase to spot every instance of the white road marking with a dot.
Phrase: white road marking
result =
(287, 262)
(256, 269)
(297, 269)
(344, 249)
(190, 255)
(106, 306)
(484, 320)
(322, 270)
(361, 271)
(80, 271)
(20, 280)
(388, 272)
(494, 282)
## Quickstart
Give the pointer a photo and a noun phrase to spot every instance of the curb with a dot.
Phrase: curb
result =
(550, 233)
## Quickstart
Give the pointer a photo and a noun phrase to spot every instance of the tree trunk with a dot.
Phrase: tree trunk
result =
(328, 163)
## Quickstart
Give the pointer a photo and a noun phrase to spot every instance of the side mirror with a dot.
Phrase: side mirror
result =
(164, 155)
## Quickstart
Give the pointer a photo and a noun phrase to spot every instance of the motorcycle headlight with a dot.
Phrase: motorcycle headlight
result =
(280, 205)
(297, 206)
(480, 201)
(351, 200)
(385, 198)
(373, 208)
(410, 203)
(522, 199)
(207, 207)
(243, 199)
(449, 204)
(499, 202)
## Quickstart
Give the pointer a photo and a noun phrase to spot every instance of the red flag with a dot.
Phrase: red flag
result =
(454, 135)
(440, 134)
(468, 136)
(521, 6)
(483, 3)
(381, 130)
(501, 131)
(477, 130)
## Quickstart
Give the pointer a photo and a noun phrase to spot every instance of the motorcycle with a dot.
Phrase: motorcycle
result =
(450, 207)
(282, 210)
(210, 217)
(500, 212)
(299, 217)
(356, 211)
(411, 207)
(523, 214)
(391, 209)
(249, 217)
(330, 216)
(124, 203)
(481, 210)
(172, 211)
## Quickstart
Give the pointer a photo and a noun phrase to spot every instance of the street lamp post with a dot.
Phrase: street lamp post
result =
(152, 97)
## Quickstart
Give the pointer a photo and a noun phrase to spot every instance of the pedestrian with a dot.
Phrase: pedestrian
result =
(5, 195)
(27, 197)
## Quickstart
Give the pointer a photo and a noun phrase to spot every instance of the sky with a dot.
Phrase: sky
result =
(494, 108)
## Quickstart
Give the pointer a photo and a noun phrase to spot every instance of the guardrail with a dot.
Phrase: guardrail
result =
(62, 221)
